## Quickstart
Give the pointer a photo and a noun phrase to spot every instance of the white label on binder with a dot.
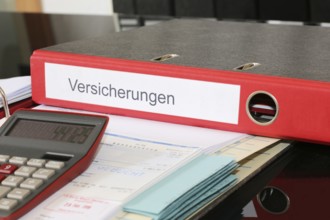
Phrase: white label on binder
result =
(196, 99)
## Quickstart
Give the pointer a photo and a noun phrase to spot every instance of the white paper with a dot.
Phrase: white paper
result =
(247, 146)
(16, 88)
(249, 211)
(162, 132)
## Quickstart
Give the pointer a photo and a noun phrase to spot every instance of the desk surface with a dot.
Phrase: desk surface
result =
(305, 181)
(22, 33)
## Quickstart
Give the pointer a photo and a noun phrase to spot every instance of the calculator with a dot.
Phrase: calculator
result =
(41, 151)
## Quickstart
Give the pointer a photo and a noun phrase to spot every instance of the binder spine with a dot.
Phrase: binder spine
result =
(291, 104)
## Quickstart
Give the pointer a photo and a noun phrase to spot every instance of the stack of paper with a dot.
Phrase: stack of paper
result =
(16, 88)
(136, 154)
(188, 188)
(196, 184)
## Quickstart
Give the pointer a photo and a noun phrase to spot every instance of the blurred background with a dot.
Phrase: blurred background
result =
(27, 25)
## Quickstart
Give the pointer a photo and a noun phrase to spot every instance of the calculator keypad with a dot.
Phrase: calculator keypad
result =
(19, 176)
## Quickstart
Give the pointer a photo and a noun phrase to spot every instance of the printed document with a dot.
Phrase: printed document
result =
(134, 154)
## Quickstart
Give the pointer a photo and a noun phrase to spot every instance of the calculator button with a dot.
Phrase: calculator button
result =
(7, 168)
(7, 204)
(54, 164)
(4, 158)
(36, 162)
(18, 193)
(18, 160)
(25, 171)
(12, 181)
(43, 173)
(4, 190)
(31, 183)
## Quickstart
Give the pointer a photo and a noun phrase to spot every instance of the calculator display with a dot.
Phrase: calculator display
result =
(49, 130)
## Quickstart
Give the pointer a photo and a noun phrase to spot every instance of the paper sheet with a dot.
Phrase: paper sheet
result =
(246, 146)
(209, 140)
(16, 88)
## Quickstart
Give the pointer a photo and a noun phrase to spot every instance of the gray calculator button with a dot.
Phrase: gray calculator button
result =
(54, 164)
(18, 193)
(25, 171)
(18, 160)
(4, 190)
(12, 181)
(4, 158)
(31, 183)
(43, 173)
(36, 162)
(7, 204)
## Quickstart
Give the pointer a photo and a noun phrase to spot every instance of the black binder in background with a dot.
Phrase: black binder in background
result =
(285, 10)
(124, 6)
(154, 7)
(194, 8)
(236, 9)
(320, 10)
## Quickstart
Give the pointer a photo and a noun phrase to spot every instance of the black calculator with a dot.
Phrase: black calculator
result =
(41, 151)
